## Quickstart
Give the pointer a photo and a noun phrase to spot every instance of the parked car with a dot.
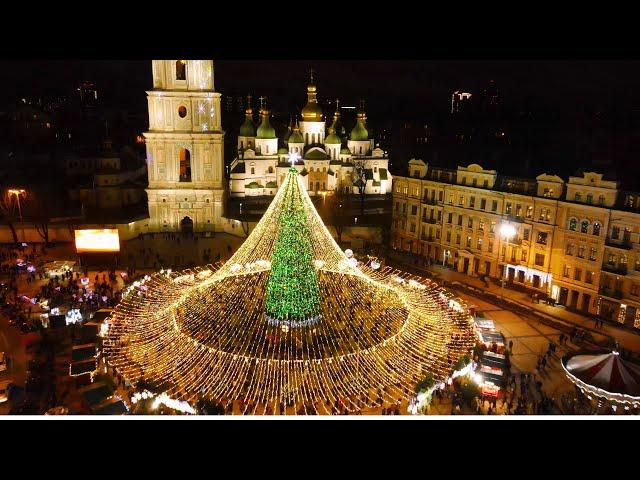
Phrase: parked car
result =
(4, 390)
(3, 362)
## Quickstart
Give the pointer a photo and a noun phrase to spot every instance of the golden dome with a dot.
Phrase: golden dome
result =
(312, 111)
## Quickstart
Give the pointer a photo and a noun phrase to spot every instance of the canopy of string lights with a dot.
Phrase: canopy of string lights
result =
(289, 323)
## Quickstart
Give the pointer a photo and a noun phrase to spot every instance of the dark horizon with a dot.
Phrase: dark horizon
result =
(413, 89)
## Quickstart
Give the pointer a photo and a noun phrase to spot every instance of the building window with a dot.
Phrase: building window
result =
(270, 169)
(544, 215)
(461, 200)
(414, 210)
(253, 170)
(481, 225)
(507, 208)
(589, 278)
(450, 217)
(577, 197)
(593, 254)
(615, 232)
(569, 250)
(182, 111)
(451, 199)
(601, 200)
(485, 183)
(634, 290)
(596, 229)
(529, 211)
(439, 215)
(458, 239)
(472, 202)
(413, 228)
(542, 238)
(448, 237)
(611, 259)
(468, 242)
(581, 251)
(492, 228)
(567, 271)
(483, 204)
(589, 198)
(577, 274)
(623, 260)
(584, 226)
(460, 220)
(525, 234)
(573, 224)
(523, 256)
(440, 195)
(490, 246)
(470, 223)
(185, 165)
(637, 267)
(494, 205)
(181, 70)
(518, 210)
(479, 244)
(539, 259)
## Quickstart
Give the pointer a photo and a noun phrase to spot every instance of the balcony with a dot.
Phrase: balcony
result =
(427, 238)
(623, 244)
(610, 292)
(614, 268)
(429, 201)
(432, 221)
(514, 218)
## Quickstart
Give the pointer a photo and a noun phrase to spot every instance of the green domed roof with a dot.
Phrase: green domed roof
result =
(296, 137)
(345, 151)
(282, 151)
(333, 139)
(359, 132)
(248, 129)
(265, 130)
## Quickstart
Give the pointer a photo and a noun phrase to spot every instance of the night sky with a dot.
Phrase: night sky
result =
(396, 88)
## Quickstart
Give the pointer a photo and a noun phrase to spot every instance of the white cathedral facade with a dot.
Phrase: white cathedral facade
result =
(184, 143)
(327, 163)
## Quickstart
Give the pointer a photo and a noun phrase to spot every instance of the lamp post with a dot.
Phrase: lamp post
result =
(507, 232)
(18, 192)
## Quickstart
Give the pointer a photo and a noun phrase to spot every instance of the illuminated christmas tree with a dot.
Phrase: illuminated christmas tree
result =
(293, 296)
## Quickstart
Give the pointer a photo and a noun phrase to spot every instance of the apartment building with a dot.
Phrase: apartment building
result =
(576, 242)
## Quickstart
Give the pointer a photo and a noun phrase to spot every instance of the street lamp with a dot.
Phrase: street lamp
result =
(507, 232)
(18, 192)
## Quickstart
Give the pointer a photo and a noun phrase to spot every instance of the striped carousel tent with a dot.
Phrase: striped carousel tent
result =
(606, 376)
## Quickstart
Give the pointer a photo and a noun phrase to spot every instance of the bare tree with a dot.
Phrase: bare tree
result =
(9, 212)
(38, 209)
(359, 176)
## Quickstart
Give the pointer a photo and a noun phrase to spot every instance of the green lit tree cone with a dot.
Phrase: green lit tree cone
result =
(293, 295)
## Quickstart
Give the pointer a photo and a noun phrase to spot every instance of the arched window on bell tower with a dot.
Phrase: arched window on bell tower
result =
(185, 165)
(181, 70)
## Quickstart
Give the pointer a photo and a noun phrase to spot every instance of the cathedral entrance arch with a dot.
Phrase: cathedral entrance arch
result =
(186, 225)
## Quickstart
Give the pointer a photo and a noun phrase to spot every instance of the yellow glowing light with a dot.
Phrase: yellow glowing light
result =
(104, 240)
(194, 335)
(507, 231)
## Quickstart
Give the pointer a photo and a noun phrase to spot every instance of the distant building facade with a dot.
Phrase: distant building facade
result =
(577, 242)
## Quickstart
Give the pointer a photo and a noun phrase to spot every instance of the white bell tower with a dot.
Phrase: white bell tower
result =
(184, 148)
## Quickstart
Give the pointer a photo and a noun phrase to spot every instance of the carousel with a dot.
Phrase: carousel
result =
(605, 378)
(290, 324)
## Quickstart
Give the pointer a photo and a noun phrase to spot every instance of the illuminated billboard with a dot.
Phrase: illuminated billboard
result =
(103, 240)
